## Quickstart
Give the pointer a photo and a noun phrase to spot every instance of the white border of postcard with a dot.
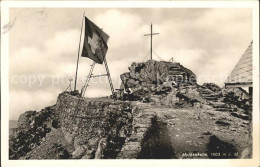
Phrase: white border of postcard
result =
(6, 5)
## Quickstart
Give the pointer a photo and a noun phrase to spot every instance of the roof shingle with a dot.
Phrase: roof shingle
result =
(242, 74)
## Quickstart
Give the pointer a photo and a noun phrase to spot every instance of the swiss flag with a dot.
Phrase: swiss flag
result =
(95, 42)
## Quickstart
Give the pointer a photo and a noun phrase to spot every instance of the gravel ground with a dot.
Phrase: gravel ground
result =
(209, 133)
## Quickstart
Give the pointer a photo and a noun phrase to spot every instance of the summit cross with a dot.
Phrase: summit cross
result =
(151, 39)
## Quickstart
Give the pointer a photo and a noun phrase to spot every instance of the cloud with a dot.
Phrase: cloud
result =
(123, 28)
(28, 60)
(48, 57)
(21, 101)
(125, 31)
(63, 46)
(207, 44)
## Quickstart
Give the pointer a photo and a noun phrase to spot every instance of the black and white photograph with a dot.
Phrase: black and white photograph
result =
(141, 82)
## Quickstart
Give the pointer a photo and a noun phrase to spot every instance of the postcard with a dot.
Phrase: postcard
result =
(123, 83)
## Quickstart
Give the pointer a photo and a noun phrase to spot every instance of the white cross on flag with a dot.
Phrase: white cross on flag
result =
(95, 42)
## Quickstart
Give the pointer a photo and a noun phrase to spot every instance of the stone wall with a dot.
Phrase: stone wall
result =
(81, 128)
(96, 129)
(143, 139)
(107, 129)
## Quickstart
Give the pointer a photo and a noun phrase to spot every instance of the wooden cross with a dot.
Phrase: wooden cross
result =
(151, 39)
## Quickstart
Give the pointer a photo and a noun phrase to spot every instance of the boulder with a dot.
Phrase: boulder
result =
(101, 147)
(211, 86)
(93, 142)
(69, 137)
(155, 77)
(90, 154)
(25, 120)
(79, 152)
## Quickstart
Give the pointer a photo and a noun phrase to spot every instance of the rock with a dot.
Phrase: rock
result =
(133, 146)
(101, 146)
(93, 141)
(246, 122)
(79, 152)
(246, 153)
(25, 120)
(89, 154)
(122, 132)
(69, 137)
(170, 99)
(170, 122)
(242, 116)
(218, 104)
(154, 74)
(222, 123)
(242, 125)
(131, 83)
(240, 93)
(211, 86)
(216, 128)
(78, 141)
(156, 98)
(31, 131)
(238, 99)
(183, 91)
(197, 105)
(75, 128)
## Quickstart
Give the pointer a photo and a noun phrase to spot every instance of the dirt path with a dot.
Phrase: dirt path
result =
(192, 133)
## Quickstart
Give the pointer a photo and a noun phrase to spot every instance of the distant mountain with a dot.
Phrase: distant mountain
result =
(13, 124)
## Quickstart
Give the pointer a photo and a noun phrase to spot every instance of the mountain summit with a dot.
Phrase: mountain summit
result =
(161, 112)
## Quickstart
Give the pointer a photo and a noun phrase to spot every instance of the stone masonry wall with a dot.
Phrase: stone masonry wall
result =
(81, 128)
(143, 139)
(96, 129)
(103, 129)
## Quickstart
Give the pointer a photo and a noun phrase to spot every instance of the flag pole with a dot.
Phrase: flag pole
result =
(75, 85)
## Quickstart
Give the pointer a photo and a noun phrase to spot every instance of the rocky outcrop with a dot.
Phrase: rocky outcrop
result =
(145, 79)
(25, 120)
(32, 128)
(211, 86)
(237, 98)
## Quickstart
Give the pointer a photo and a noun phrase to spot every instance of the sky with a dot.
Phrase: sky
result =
(43, 47)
